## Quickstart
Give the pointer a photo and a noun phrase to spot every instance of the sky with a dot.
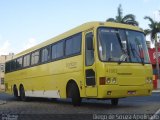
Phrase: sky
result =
(25, 23)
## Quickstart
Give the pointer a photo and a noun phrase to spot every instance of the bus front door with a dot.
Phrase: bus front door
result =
(90, 75)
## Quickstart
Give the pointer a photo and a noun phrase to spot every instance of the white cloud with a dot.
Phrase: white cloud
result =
(5, 48)
(30, 43)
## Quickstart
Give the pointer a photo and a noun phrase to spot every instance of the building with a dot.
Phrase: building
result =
(152, 55)
(3, 59)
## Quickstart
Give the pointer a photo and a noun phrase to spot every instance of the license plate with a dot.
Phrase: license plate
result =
(131, 92)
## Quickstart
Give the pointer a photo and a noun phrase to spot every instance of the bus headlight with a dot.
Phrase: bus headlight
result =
(111, 80)
(114, 81)
(108, 80)
(149, 80)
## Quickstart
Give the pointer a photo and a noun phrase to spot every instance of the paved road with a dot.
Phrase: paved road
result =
(131, 105)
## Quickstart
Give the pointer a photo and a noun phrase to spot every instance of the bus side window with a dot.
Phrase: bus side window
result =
(45, 55)
(58, 50)
(35, 58)
(73, 45)
(89, 49)
(26, 61)
(19, 63)
(13, 65)
(7, 67)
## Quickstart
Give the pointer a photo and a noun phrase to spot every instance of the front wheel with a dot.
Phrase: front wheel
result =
(114, 101)
(75, 95)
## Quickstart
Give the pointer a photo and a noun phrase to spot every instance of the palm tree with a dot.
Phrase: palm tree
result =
(154, 29)
(127, 19)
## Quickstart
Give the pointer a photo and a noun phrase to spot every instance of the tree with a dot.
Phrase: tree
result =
(154, 29)
(127, 19)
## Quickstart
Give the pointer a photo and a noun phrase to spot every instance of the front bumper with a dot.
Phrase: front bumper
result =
(117, 91)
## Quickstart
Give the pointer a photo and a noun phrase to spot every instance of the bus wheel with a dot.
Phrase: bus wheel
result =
(22, 94)
(114, 101)
(75, 95)
(15, 92)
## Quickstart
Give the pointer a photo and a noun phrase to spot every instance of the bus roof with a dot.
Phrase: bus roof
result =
(78, 29)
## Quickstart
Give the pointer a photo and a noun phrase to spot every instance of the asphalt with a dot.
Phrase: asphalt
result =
(90, 109)
(2, 102)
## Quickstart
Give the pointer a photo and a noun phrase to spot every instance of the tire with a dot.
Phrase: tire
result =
(22, 94)
(74, 94)
(15, 92)
(114, 101)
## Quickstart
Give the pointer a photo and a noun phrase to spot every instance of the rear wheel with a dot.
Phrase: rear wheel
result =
(22, 94)
(74, 94)
(114, 101)
(15, 92)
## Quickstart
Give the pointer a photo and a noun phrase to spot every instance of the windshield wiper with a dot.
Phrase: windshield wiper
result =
(124, 56)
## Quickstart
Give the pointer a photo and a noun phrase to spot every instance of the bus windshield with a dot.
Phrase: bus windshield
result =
(123, 45)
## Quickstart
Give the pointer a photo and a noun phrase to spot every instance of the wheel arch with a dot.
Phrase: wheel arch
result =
(69, 83)
(21, 85)
(15, 86)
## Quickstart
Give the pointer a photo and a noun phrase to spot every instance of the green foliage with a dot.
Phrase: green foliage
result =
(127, 19)
(154, 27)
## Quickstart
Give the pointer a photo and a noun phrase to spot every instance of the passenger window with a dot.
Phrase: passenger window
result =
(54, 51)
(35, 58)
(7, 67)
(46, 54)
(73, 45)
(58, 50)
(26, 60)
(19, 63)
(13, 65)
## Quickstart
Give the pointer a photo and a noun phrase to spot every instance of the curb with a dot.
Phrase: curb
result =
(155, 91)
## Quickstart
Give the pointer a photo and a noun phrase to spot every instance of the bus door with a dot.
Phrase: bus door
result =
(89, 69)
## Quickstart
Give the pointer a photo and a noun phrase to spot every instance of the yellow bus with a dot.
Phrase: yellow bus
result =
(99, 60)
